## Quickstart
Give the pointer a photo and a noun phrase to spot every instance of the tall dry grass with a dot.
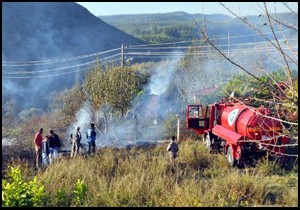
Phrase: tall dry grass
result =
(145, 177)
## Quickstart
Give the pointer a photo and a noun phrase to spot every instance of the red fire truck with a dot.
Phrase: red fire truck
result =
(243, 133)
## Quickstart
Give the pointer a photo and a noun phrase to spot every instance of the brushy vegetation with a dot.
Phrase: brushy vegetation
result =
(145, 177)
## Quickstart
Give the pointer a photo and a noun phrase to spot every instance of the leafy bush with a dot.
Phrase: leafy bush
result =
(80, 192)
(61, 198)
(16, 192)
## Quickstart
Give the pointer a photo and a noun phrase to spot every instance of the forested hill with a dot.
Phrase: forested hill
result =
(38, 30)
(180, 26)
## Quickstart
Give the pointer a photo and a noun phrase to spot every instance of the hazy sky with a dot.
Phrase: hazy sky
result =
(241, 8)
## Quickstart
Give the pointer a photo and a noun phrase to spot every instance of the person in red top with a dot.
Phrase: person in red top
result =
(38, 138)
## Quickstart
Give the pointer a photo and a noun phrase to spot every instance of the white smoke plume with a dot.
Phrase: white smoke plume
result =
(134, 129)
(162, 77)
(83, 120)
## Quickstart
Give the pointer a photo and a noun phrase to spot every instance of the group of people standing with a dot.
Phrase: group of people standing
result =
(47, 148)
(91, 140)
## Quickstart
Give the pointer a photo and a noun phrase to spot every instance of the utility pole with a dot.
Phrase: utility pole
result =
(178, 127)
(135, 127)
(122, 55)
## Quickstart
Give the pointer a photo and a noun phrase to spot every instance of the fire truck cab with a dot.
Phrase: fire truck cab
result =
(202, 121)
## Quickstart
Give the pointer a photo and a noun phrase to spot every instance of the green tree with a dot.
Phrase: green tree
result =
(112, 90)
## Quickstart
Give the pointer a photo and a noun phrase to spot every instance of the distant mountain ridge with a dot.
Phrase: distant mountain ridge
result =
(180, 26)
(162, 17)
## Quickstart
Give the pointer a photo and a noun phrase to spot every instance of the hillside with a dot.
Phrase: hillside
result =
(161, 27)
(33, 31)
(180, 26)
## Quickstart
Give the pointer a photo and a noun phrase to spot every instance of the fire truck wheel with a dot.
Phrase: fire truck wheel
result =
(230, 157)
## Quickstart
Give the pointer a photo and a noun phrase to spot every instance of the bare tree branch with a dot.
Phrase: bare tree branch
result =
(281, 22)
(291, 99)
(217, 49)
(276, 90)
(279, 47)
(285, 4)
(295, 60)
(253, 27)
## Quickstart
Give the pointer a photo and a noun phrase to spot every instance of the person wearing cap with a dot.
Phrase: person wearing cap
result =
(54, 144)
(76, 138)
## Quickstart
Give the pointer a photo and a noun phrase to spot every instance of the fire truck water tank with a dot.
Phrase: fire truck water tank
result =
(242, 120)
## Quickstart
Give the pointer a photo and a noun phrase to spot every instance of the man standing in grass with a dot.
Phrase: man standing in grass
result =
(45, 152)
(173, 149)
(38, 147)
(91, 139)
(76, 138)
(54, 144)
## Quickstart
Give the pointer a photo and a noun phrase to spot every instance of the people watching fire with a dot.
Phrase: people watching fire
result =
(173, 149)
(91, 139)
(45, 152)
(76, 138)
(38, 138)
(54, 144)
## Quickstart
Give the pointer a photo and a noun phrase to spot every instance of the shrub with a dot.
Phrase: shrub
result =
(80, 192)
(16, 192)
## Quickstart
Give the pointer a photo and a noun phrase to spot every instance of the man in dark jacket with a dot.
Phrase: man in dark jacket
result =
(54, 144)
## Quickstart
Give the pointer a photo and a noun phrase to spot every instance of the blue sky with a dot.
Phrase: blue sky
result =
(241, 8)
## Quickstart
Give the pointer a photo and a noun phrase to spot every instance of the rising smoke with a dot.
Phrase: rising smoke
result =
(162, 77)
(138, 126)
(145, 122)
(83, 120)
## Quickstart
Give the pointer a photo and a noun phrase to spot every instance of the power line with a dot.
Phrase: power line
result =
(186, 47)
(265, 49)
(39, 76)
(44, 62)
(161, 55)
(57, 69)
(49, 75)
(143, 53)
